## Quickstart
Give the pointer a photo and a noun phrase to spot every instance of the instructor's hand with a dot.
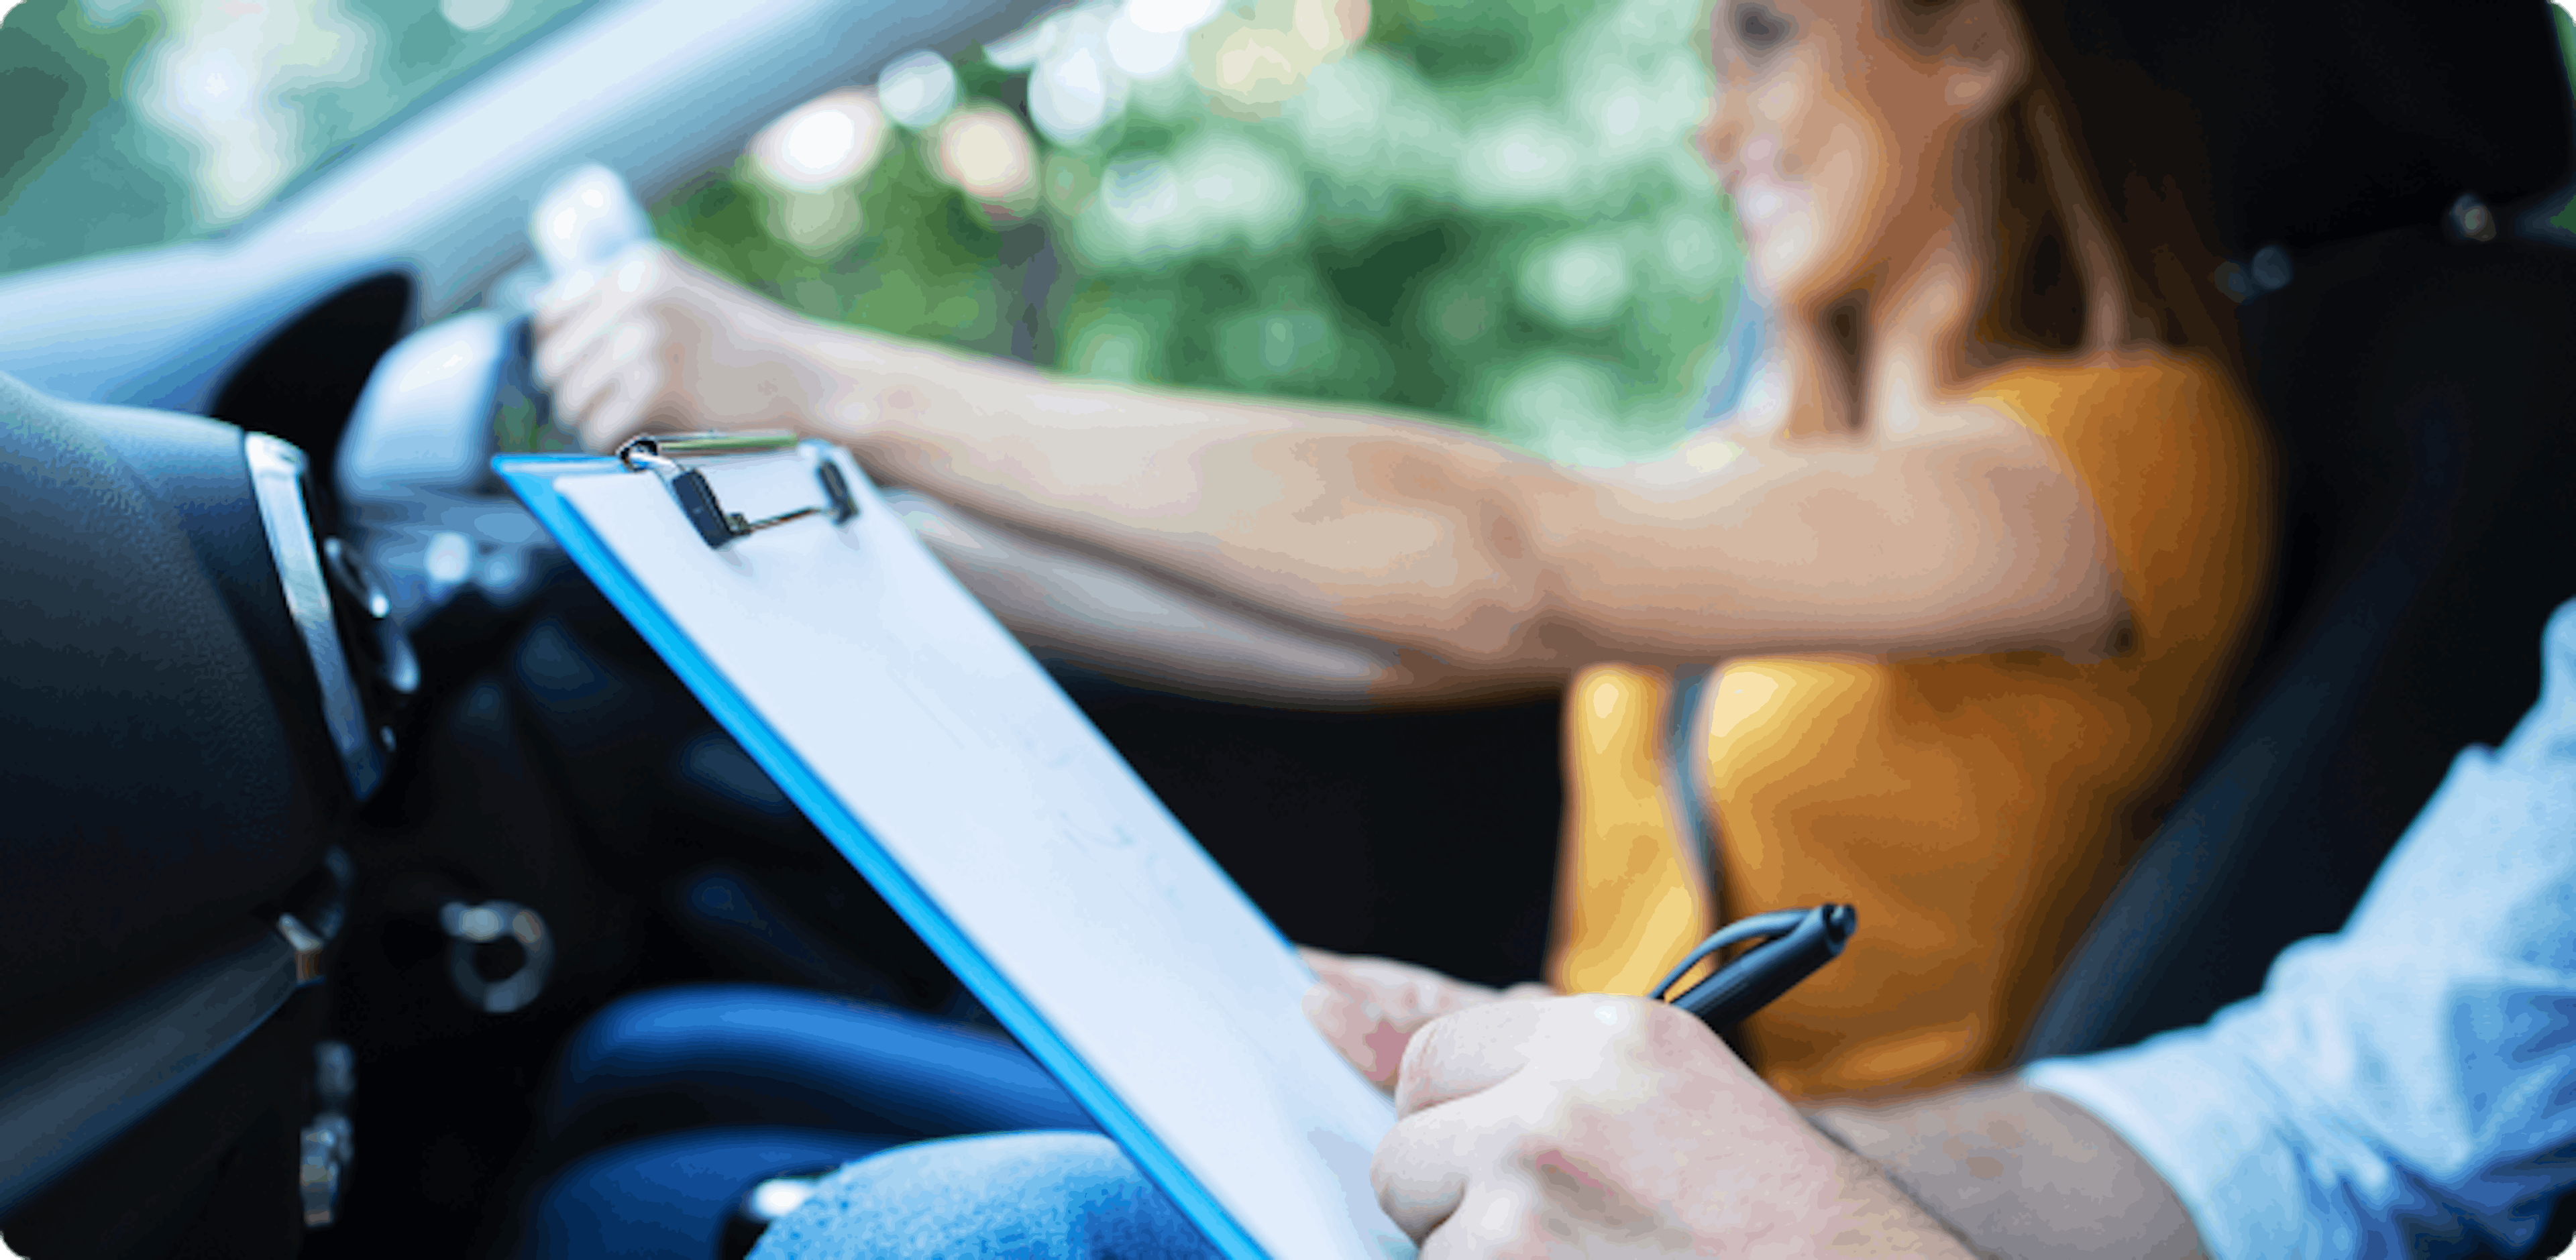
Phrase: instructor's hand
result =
(1370, 1007)
(1602, 1126)
(653, 341)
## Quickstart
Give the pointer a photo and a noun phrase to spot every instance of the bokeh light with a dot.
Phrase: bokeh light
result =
(807, 164)
(473, 15)
(987, 154)
(918, 89)
(824, 143)
(1170, 17)
(1251, 62)
(1142, 52)
(1074, 92)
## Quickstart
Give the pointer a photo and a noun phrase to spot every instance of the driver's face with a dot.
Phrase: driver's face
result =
(1828, 135)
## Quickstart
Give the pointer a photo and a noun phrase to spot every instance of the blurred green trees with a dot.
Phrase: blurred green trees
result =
(126, 123)
(1485, 211)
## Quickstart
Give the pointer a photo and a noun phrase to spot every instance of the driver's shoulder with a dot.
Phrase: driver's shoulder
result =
(2144, 418)
(2136, 384)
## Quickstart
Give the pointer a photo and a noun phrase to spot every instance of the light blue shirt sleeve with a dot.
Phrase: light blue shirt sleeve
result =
(2406, 1086)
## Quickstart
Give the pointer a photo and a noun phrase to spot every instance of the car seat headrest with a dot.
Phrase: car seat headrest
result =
(2331, 121)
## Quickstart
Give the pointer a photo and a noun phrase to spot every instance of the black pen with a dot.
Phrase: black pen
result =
(1794, 944)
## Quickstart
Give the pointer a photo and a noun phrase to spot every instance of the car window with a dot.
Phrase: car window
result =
(126, 123)
(1485, 212)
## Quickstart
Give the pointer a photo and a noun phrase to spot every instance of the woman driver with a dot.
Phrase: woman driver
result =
(1980, 559)
(1916, 197)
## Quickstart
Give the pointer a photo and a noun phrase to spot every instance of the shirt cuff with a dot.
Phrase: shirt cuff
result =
(2220, 1136)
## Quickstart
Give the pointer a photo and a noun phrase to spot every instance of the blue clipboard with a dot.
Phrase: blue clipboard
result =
(540, 481)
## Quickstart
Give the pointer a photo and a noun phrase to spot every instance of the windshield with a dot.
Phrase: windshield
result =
(126, 123)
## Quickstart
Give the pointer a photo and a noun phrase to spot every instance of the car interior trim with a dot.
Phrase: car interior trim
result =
(72, 1094)
(277, 477)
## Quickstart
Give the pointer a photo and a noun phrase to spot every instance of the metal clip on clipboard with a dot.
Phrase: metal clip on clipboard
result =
(662, 456)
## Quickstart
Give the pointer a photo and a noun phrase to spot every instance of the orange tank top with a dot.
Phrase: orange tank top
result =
(1976, 809)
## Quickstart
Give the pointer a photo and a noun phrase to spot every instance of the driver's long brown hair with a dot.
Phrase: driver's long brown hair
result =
(2106, 235)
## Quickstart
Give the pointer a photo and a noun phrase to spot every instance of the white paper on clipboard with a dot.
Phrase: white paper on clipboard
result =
(879, 694)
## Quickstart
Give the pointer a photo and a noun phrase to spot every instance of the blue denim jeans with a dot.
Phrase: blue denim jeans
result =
(791, 1081)
(667, 1197)
(805, 1059)
(1020, 1196)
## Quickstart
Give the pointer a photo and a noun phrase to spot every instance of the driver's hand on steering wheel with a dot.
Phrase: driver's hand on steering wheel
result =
(652, 341)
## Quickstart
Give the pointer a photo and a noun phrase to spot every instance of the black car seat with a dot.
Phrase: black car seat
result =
(2416, 367)
(190, 709)
(2430, 403)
